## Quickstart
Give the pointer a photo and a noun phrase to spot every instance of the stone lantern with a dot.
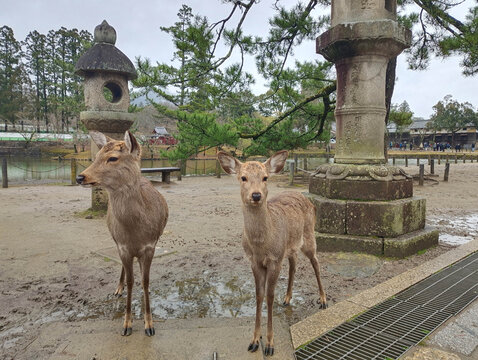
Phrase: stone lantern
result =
(106, 71)
(364, 204)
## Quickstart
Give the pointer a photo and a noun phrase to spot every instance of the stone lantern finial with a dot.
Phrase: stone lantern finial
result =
(105, 33)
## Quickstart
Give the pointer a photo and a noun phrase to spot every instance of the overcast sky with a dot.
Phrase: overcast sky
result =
(137, 24)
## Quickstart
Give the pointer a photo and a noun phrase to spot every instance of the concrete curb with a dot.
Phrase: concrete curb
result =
(319, 323)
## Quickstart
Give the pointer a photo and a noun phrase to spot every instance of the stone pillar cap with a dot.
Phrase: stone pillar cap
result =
(104, 56)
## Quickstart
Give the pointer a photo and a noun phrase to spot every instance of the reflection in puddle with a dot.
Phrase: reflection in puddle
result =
(212, 298)
(204, 298)
(455, 230)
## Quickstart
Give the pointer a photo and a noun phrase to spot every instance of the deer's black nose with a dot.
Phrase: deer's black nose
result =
(80, 178)
(256, 196)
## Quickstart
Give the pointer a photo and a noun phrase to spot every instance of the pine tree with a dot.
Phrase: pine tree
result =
(11, 77)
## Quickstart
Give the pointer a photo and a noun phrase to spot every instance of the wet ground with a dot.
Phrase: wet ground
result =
(457, 229)
(50, 271)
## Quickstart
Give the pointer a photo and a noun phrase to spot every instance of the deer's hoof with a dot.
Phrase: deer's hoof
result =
(149, 331)
(127, 331)
(285, 303)
(253, 347)
(269, 350)
(322, 305)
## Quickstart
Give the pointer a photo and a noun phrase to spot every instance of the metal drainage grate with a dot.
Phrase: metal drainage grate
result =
(390, 328)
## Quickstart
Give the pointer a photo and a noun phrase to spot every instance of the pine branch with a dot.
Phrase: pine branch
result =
(323, 93)
(442, 16)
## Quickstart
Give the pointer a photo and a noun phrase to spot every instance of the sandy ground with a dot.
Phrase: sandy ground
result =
(49, 269)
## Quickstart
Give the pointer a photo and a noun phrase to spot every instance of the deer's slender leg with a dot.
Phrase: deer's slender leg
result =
(309, 248)
(145, 264)
(273, 271)
(119, 289)
(260, 279)
(128, 318)
(292, 267)
(315, 264)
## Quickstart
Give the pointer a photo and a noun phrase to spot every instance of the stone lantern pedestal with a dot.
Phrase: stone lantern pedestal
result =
(106, 71)
(362, 203)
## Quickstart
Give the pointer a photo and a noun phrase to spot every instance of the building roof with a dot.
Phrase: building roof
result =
(418, 123)
(161, 130)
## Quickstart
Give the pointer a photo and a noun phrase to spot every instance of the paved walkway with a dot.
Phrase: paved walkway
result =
(174, 340)
(455, 339)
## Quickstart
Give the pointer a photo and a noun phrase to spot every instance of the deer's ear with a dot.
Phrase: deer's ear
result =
(132, 144)
(276, 162)
(99, 138)
(230, 164)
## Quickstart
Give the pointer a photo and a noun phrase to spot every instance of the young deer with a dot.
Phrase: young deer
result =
(137, 213)
(273, 230)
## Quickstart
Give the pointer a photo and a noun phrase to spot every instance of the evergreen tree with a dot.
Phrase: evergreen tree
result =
(11, 77)
(35, 60)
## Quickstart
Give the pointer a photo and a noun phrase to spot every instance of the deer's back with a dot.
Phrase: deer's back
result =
(291, 204)
(292, 212)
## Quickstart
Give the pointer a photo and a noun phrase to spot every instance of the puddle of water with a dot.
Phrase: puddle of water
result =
(454, 240)
(15, 333)
(213, 298)
(190, 298)
(55, 316)
(204, 298)
(455, 230)
(12, 331)
(7, 344)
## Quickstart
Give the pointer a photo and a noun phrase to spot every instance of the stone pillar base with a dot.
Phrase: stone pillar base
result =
(99, 199)
(369, 218)
(368, 208)
(398, 247)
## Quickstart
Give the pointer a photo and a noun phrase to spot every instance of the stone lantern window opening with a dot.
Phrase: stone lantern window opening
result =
(112, 92)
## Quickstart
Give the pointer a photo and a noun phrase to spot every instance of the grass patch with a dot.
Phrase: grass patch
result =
(91, 214)
(305, 344)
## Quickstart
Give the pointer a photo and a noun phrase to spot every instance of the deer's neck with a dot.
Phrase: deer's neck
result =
(126, 199)
(257, 221)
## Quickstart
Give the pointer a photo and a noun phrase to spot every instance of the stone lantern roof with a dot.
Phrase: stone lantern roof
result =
(104, 56)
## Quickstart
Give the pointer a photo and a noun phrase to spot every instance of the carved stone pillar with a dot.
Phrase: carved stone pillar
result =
(362, 203)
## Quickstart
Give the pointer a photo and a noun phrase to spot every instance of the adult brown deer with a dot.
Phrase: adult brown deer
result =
(137, 213)
(273, 230)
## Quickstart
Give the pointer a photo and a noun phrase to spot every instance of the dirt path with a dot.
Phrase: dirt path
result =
(49, 270)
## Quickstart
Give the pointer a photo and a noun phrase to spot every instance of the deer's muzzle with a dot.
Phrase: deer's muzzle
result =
(80, 178)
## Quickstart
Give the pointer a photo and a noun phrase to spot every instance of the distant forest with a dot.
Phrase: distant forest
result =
(38, 87)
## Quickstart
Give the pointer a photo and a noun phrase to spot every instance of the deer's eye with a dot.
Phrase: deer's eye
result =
(112, 159)
(243, 178)
(264, 178)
